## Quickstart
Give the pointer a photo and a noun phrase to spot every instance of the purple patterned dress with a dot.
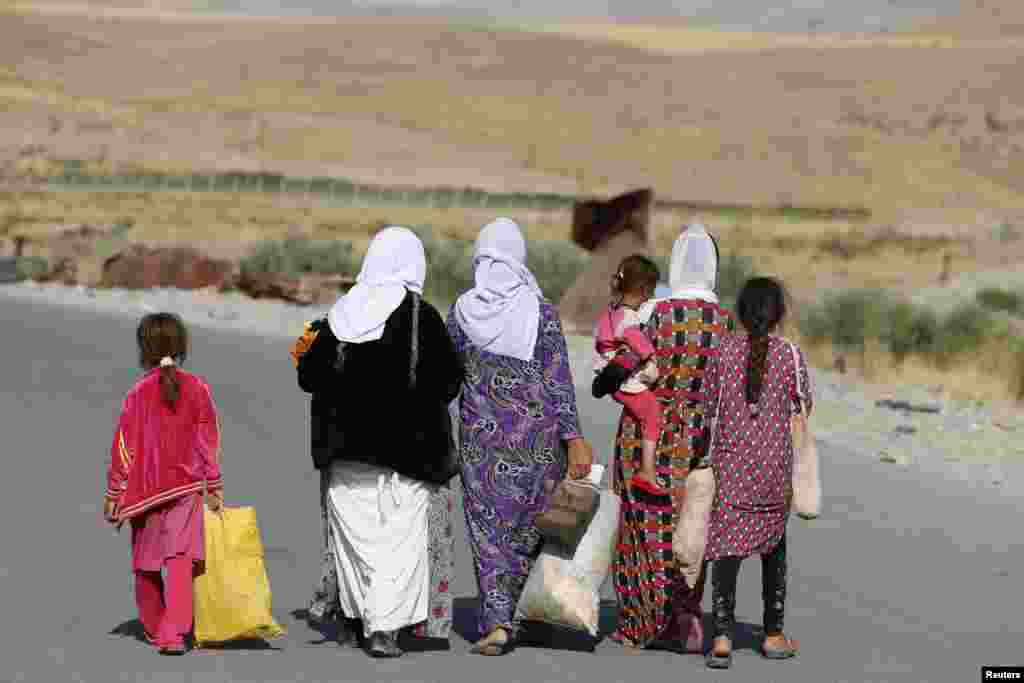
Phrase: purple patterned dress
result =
(513, 417)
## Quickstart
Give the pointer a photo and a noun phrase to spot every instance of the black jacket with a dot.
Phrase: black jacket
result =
(367, 413)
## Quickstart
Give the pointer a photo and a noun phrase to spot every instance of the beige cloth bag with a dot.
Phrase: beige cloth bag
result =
(806, 501)
(691, 532)
(690, 535)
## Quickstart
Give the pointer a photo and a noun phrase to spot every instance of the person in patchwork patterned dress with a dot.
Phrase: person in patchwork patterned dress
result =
(687, 329)
(756, 376)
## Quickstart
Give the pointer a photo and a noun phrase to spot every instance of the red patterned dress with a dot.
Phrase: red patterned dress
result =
(752, 456)
(686, 334)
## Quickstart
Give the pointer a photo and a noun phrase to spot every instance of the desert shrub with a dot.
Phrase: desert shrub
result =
(910, 329)
(1007, 233)
(963, 330)
(1001, 300)
(556, 265)
(733, 271)
(30, 267)
(814, 324)
(301, 256)
(1017, 379)
(847, 319)
(449, 267)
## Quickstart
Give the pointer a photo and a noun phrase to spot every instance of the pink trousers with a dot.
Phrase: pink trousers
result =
(165, 606)
(646, 409)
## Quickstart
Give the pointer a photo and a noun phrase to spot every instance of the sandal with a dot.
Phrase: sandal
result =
(492, 649)
(172, 650)
(691, 636)
(717, 661)
(788, 651)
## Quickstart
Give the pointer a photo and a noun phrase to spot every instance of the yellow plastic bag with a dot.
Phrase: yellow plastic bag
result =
(232, 597)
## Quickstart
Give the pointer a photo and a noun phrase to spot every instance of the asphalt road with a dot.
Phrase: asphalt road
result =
(907, 577)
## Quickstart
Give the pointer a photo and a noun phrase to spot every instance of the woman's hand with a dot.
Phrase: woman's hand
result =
(581, 457)
(110, 511)
(215, 501)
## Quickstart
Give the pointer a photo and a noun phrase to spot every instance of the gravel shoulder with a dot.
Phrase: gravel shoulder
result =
(965, 441)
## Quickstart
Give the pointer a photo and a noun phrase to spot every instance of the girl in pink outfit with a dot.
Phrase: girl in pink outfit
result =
(619, 338)
(165, 453)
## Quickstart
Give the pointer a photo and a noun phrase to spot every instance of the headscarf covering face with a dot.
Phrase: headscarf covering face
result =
(501, 314)
(694, 267)
(394, 264)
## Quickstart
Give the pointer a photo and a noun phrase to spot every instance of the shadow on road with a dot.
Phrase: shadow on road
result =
(328, 632)
(133, 629)
(747, 636)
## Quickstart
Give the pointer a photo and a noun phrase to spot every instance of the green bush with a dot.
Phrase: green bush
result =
(1018, 372)
(910, 330)
(1001, 300)
(733, 271)
(965, 329)
(847, 319)
(449, 267)
(300, 256)
(556, 265)
(30, 267)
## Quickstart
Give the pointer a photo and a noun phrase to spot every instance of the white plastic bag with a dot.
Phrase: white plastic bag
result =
(564, 589)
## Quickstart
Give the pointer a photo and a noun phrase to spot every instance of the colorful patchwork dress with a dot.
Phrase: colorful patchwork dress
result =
(686, 333)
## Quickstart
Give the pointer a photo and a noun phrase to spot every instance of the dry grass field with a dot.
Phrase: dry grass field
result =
(890, 123)
(925, 129)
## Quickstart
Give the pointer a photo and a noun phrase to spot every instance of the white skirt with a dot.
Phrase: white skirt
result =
(379, 519)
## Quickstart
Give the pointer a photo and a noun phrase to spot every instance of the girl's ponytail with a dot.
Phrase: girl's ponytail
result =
(169, 385)
(163, 343)
(617, 284)
(634, 272)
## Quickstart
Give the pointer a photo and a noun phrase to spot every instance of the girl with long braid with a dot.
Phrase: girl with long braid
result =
(752, 388)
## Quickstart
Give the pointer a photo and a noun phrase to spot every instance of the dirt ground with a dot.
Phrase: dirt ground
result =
(933, 121)
(925, 129)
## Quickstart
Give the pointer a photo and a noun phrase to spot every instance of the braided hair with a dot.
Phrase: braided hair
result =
(761, 306)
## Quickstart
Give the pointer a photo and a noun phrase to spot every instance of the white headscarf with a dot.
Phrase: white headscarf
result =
(394, 264)
(694, 267)
(501, 314)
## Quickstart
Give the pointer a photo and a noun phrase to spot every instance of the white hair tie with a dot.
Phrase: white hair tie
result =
(167, 362)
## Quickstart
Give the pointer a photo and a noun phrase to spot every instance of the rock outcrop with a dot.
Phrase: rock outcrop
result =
(143, 267)
(610, 231)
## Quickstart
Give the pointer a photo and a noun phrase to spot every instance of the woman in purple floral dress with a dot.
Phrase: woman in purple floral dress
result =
(517, 419)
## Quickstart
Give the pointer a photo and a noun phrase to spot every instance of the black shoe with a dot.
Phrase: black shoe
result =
(348, 636)
(384, 645)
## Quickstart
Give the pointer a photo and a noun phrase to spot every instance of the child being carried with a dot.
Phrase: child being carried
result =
(625, 362)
